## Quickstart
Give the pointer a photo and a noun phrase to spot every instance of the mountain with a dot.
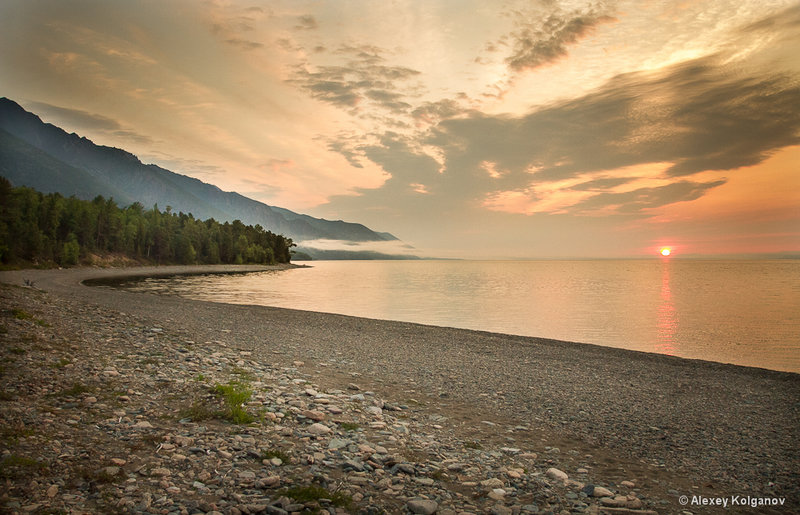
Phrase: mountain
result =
(47, 158)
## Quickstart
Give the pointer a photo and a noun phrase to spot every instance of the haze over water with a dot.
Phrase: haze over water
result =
(740, 312)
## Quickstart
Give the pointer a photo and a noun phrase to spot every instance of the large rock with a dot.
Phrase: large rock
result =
(559, 475)
(422, 506)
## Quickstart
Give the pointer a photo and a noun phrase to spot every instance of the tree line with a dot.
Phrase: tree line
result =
(49, 229)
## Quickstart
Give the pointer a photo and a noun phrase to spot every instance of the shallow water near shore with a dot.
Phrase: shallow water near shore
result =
(733, 311)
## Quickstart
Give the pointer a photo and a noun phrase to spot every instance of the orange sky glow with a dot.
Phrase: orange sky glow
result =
(508, 129)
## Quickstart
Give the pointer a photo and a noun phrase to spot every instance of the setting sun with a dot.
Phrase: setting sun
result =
(666, 251)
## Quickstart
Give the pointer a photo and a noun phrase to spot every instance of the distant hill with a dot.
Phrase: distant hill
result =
(47, 158)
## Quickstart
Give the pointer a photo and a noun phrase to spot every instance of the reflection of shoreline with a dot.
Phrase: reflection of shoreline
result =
(667, 316)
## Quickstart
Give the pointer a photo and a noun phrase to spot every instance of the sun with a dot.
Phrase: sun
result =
(666, 251)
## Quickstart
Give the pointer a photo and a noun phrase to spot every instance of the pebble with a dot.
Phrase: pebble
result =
(318, 429)
(398, 455)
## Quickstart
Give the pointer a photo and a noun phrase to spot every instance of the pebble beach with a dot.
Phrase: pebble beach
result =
(119, 402)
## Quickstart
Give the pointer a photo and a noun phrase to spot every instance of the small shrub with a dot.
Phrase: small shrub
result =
(244, 375)
(198, 412)
(13, 466)
(21, 314)
(304, 494)
(235, 395)
(74, 391)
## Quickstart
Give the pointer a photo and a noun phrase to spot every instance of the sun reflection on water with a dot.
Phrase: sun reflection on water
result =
(667, 316)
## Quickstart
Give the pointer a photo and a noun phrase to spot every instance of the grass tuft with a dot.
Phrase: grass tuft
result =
(304, 494)
(13, 466)
(234, 394)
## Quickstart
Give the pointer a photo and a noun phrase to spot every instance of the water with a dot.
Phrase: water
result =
(741, 312)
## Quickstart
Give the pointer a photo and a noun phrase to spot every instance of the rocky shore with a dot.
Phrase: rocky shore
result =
(114, 402)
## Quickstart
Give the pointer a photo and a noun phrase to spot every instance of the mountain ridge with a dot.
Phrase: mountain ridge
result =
(66, 160)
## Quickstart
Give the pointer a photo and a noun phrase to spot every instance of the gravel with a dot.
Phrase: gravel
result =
(679, 423)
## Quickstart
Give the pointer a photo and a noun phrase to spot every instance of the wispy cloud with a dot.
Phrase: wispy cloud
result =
(79, 120)
(306, 22)
(362, 78)
(244, 44)
(539, 43)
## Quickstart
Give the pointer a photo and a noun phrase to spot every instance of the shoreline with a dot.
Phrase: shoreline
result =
(719, 427)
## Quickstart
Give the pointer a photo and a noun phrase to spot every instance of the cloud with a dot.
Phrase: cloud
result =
(76, 117)
(79, 120)
(647, 198)
(394, 248)
(230, 24)
(363, 78)
(626, 148)
(306, 22)
(433, 112)
(244, 44)
(697, 115)
(547, 42)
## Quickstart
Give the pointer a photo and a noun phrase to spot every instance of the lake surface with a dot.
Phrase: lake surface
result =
(741, 312)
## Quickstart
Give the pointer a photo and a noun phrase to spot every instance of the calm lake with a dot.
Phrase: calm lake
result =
(741, 312)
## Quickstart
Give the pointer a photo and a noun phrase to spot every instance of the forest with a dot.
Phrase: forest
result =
(39, 229)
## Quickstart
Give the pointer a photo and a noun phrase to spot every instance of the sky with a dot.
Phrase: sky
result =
(471, 129)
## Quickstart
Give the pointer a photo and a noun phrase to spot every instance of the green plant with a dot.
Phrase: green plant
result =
(198, 411)
(74, 391)
(13, 466)
(235, 395)
(304, 494)
(21, 314)
(244, 375)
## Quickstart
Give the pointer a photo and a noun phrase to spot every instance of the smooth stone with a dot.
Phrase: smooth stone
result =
(422, 506)
(599, 491)
(318, 429)
(492, 483)
(314, 415)
(554, 473)
(338, 443)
